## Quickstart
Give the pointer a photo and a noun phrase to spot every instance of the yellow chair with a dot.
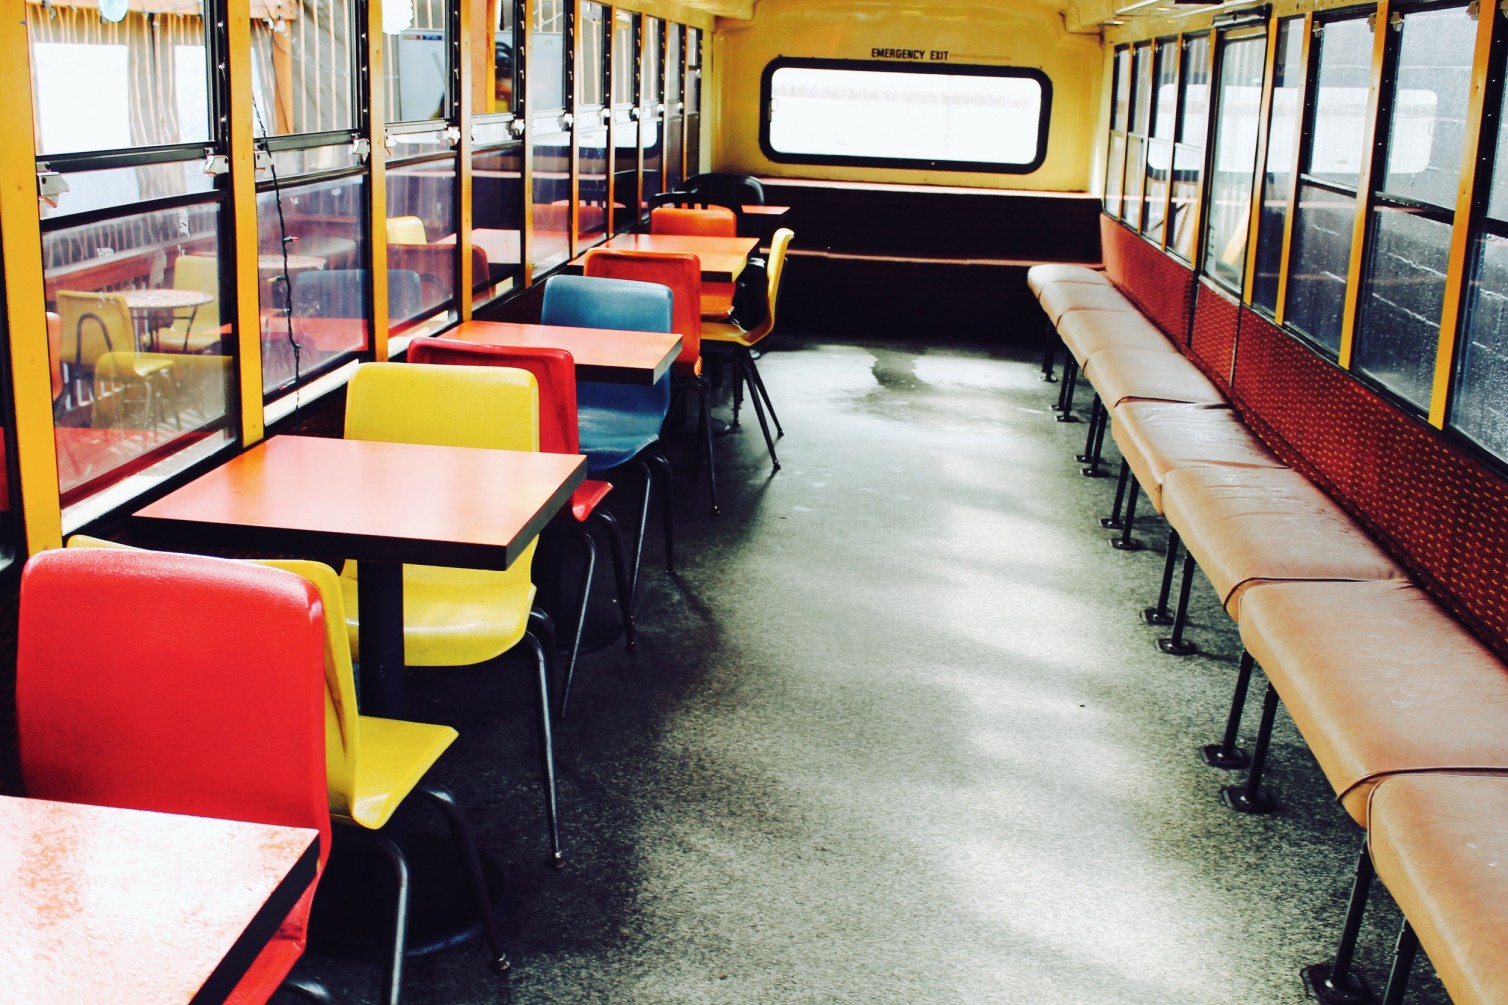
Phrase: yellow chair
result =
(373, 764)
(194, 329)
(406, 230)
(459, 617)
(732, 338)
(97, 325)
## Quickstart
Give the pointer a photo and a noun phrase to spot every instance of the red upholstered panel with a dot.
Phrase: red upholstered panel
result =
(1212, 344)
(1436, 508)
(1160, 285)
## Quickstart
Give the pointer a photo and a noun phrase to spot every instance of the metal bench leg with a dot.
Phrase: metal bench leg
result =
(1113, 521)
(1159, 615)
(1122, 541)
(1174, 645)
(1250, 798)
(1226, 754)
(1334, 983)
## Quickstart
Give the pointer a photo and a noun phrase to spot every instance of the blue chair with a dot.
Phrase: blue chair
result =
(620, 422)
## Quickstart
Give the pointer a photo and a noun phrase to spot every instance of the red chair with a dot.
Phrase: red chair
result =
(709, 221)
(555, 372)
(683, 274)
(216, 711)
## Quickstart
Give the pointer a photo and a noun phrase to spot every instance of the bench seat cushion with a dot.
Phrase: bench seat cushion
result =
(1123, 374)
(1085, 333)
(1039, 277)
(1156, 437)
(1440, 843)
(1248, 525)
(1379, 680)
(1060, 298)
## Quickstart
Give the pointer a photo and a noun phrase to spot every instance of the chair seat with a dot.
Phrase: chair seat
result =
(1060, 298)
(587, 497)
(1039, 277)
(1085, 333)
(173, 340)
(1379, 680)
(395, 756)
(1248, 525)
(717, 301)
(1439, 843)
(1122, 374)
(609, 438)
(454, 617)
(1156, 437)
(727, 334)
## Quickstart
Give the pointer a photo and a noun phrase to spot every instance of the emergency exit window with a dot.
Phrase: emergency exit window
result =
(906, 114)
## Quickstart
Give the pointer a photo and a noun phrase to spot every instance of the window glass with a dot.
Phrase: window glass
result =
(673, 63)
(1115, 175)
(313, 302)
(693, 100)
(141, 365)
(1166, 93)
(303, 59)
(1277, 184)
(1234, 162)
(1121, 115)
(1136, 151)
(959, 117)
(1141, 89)
(625, 129)
(550, 243)
(421, 239)
(1338, 132)
(1433, 85)
(497, 201)
(591, 33)
(654, 40)
(416, 59)
(1401, 302)
(1188, 152)
(1160, 147)
(138, 82)
(625, 57)
(547, 55)
(1479, 406)
(504, 57)
(1322, 237)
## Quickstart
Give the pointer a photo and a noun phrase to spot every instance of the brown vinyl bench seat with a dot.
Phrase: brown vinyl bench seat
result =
(1060, 298)
(1148, 375)
(1380, 681)
(1156, 437)
(1440, 844)
(1085, 333)
(1039, 277)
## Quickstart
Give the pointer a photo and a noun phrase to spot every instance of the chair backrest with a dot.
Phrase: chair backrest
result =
(200, 273)
(713, 221)
(595, 302)
(554, 372)
(92, 325)
(698, 200)
(740, 188)
(214, 709)
(406, 230)
(681, 272)
(456, 406)
(55, 351)
(339, 293)
(776, 269)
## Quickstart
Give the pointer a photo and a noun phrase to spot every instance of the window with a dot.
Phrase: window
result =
(1323, 226)
(591, 125)
(305, 68)
(1136, 142)
(962, 118)
(1160, 146)
(1233, 165)
(625, 124)
(1120, 118)
(1188, 150)
(1277, 183)
(1404, 293)
(417, 44)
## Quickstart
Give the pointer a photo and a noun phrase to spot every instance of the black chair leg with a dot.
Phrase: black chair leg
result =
(649, 481)
(539, 625)
(1123, 541)
(1113, 521)
(620, 574)
(1250, 798)
(764, 426)
(703, 390)
(1174, 645)
(392, 980)
(1159, 615)
(307, 988)
(590, 568)
(740, 360)
(1226, 754)
(1403, 964)
(460, 833)
(765, 394)
(661, 463)
(1334, 983)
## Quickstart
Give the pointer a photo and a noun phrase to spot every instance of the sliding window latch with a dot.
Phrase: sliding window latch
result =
(263, 160)
(216, 164)
(362, 148)
(50, 185)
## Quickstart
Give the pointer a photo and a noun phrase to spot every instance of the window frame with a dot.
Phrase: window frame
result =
(1044, 114)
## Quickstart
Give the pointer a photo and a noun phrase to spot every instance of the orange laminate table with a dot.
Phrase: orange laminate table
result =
(601, 354)
(723, 258)
(104, 904)
(384, 504)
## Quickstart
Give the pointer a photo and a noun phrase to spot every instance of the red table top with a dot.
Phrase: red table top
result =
(723, 258)
(385, 502)
(756, 209)
(104, 904)
(601, 354)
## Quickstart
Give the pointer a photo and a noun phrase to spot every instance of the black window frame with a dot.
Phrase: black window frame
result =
(902, 163)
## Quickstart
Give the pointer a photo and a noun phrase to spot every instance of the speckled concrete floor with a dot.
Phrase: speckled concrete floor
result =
(895, 734)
